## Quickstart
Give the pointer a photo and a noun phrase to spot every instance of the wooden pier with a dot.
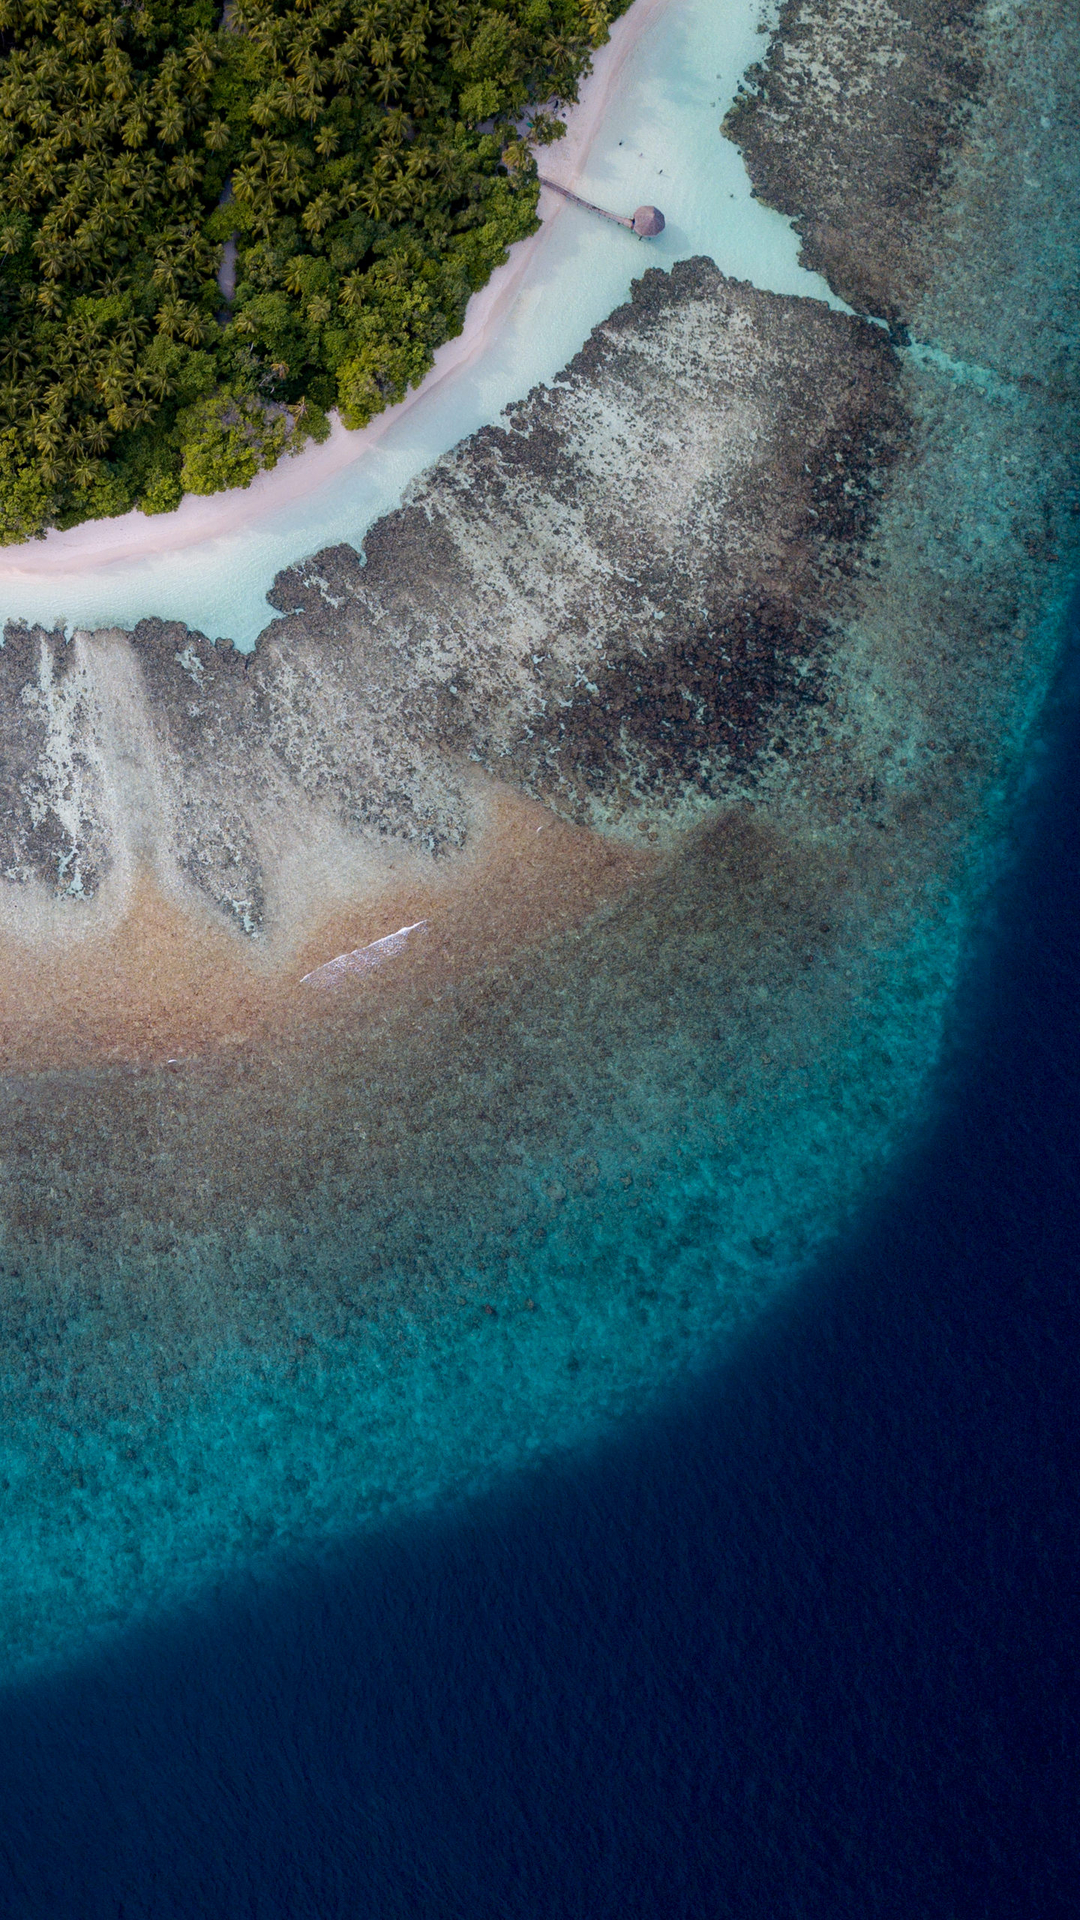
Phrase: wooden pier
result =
(647, 222)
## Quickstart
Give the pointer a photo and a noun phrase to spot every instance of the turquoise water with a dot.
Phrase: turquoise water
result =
(524, 1213)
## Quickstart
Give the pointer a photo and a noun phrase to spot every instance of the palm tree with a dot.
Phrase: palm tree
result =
(47, 433)
(291, 95)
(401, 193)
(263, 215)
(247, 186)
(281, 168)
(598, 18)
(413, 44)
(143, 191)
(20, 190)
(117, 67)
(131, 332)
(343, 62)
(388, 81)
(266, 107)
(449, 167)
(373, 196)
(202, 55)
(166, 272)
(318, 214)
(184, 172)
(171, 122)
(155, 381)
(49, 247)
(168, 317)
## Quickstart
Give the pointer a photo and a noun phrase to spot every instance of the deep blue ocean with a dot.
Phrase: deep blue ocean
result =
(803, 1645)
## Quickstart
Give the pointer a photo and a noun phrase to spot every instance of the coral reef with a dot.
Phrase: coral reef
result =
(619, 599)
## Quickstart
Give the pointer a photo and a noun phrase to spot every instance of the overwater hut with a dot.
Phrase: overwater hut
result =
(647, 222)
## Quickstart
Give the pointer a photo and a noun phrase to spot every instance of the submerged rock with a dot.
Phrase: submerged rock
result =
(848, 125)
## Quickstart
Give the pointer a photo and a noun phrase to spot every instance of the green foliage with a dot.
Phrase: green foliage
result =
(229, 438)
(365, 154)
(162, 491)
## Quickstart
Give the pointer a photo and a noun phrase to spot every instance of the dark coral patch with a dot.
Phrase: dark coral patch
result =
(850, 130)
(694, 716)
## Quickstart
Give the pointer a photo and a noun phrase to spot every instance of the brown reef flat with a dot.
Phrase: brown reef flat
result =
(160, 982)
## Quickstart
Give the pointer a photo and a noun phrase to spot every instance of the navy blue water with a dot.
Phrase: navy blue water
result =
(804, 1646)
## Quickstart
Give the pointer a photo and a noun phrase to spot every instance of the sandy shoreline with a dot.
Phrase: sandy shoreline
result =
(99, 544)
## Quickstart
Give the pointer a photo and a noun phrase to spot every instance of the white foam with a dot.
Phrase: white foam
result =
(360, 959)
(646, 130)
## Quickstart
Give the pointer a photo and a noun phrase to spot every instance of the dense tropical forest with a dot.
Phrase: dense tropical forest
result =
(359, 166)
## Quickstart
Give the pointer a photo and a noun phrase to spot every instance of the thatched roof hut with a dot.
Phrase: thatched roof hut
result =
(648, 222)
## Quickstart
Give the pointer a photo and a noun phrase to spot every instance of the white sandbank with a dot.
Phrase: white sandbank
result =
(646, 129)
